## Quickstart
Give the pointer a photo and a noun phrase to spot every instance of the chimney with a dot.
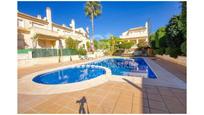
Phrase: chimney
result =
(39, 16)
(49, 17)
(45, 18)
(63, 25)
(72, 25)
(146, 24)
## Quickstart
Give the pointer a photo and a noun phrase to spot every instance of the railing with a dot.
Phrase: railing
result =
(132, 36)
(45, 31)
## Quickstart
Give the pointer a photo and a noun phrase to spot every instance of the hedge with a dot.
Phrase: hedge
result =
(160, 51)
(183, 48)
(173, 52)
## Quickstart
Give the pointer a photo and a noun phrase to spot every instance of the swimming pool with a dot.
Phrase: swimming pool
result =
(70, 75)
(135, 67)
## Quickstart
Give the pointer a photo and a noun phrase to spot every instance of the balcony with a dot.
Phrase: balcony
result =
(45, 32)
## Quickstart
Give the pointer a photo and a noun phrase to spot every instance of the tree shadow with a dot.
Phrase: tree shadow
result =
(82, 102)
(143, 99)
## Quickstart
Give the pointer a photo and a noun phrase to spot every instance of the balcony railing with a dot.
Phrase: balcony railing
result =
(44, 31)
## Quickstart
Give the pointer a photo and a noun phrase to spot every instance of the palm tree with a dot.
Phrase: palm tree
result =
(92, 10)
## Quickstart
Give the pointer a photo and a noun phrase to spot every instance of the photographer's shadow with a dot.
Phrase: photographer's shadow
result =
(82, 109)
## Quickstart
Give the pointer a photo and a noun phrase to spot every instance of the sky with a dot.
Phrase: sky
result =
(116, 17)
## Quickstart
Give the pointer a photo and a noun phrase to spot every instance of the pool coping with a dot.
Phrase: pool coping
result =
(164, 78)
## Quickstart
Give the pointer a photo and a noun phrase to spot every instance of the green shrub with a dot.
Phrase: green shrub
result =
(71, 43)
(118, 52)
(160, 51)
(88, 45)
(183, 48)
(173, 52)
(82, 51)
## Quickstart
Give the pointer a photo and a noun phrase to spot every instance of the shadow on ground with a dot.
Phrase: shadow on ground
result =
(82, 102)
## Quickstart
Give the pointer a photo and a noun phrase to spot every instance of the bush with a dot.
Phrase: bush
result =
(71, 43)
(82, 51)
(160, 51)
(118, 52)
(183, 48)
(173, 52)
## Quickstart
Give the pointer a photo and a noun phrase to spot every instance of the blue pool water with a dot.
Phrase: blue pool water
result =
(127, 67)
(118, 66)
(69, 75)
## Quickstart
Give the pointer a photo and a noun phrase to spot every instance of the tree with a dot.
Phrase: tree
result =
(174, 32)
(88, 45)
(152, 41)
(71, 43)
(142, 44)
(183, 17)
(112, 44)
(96, 44)
(92, 10)
(172, 38)
(104, 44)
(34, 40)
(160, 38)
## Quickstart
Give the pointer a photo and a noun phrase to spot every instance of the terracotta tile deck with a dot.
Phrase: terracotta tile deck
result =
(107, 98)
(111, 97)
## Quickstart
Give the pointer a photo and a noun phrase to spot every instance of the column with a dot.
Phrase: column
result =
(137, 41)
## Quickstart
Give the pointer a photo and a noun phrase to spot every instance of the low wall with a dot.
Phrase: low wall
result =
(45, 60)
(179, 60)
(26, 60)
(25, 56)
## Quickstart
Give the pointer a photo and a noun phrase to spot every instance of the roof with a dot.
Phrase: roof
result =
(29, 17)
(62, 27)
(22, 15)
(137, 28)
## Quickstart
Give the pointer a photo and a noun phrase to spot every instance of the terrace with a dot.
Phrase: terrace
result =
(110, 97)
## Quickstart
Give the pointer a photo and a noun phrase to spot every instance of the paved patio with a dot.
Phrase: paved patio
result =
(178, 70)
(111, 97)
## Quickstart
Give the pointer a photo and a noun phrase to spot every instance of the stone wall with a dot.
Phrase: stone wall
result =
(179, 60)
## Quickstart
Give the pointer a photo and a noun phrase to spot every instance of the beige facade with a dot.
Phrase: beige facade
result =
(49, 34)
(138, 35)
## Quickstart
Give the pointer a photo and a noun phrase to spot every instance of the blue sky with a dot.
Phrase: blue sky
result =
(116, 17)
